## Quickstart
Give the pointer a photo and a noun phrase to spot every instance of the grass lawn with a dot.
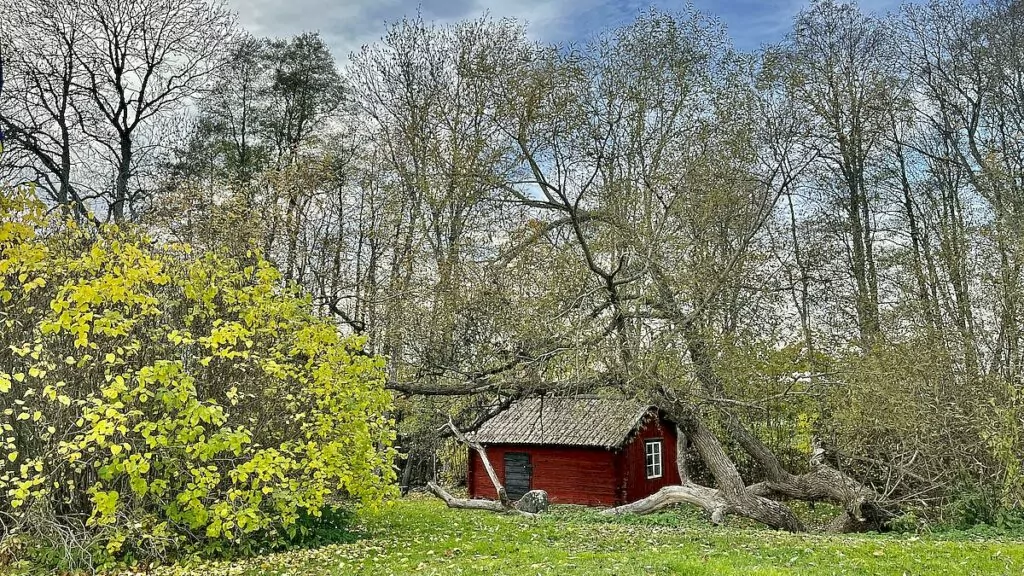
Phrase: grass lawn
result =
(421, 536)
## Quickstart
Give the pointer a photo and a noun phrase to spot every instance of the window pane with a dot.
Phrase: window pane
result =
(652, 458)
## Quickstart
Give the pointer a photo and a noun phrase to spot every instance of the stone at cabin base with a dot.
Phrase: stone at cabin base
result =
(534, 501)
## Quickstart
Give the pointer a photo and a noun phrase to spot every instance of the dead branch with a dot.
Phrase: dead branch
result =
(498, 488)
(467, 503)
(503, 504)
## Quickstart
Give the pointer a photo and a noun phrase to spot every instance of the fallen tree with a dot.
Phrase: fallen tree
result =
(731, 496)
(863, 508)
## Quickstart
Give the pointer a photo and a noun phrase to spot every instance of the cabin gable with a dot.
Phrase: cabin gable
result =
(634, 482)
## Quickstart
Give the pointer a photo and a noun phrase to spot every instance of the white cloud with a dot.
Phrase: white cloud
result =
(347, 25)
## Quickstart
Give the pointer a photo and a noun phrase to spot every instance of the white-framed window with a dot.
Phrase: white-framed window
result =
(653, 450)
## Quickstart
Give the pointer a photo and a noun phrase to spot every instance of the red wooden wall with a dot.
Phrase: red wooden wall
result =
(582, 475)
(633, 461)
(569, 474)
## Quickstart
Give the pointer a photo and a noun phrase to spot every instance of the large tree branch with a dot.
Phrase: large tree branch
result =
(466, 503)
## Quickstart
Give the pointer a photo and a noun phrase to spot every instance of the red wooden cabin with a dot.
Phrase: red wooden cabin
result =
(581, 450)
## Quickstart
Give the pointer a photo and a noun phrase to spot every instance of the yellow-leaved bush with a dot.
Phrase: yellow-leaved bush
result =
(156, 400)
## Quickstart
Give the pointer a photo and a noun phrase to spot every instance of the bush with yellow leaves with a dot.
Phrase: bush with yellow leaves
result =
(154, 400)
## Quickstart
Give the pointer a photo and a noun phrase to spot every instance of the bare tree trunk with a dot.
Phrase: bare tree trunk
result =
(466, 503)
(124, 167)
(741, 501)
(407, 472)
(928, 306)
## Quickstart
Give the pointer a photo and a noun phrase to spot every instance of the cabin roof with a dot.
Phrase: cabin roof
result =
(575, 421)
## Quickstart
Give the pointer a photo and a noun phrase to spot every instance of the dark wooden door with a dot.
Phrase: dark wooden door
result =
(518, 473)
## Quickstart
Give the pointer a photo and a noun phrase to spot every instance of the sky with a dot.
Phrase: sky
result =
(348, 24)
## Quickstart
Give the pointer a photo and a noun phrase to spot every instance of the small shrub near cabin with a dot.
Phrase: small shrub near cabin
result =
(154, 400)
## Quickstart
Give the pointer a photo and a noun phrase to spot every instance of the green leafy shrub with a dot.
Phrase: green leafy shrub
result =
(981, 511)
(910, 522)
(154, 400)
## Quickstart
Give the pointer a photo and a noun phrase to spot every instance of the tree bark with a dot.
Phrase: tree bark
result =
(466, 503)
(124, 167)
(708, 499)
(731, 485)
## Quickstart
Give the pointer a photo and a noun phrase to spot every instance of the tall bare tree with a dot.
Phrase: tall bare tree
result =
(141, 62)
(40, 115)
(841, 63)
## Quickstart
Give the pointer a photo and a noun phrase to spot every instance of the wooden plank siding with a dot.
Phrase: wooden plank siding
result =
(569, 474)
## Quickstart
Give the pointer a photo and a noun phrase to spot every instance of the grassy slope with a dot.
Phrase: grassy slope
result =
(421, 536)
